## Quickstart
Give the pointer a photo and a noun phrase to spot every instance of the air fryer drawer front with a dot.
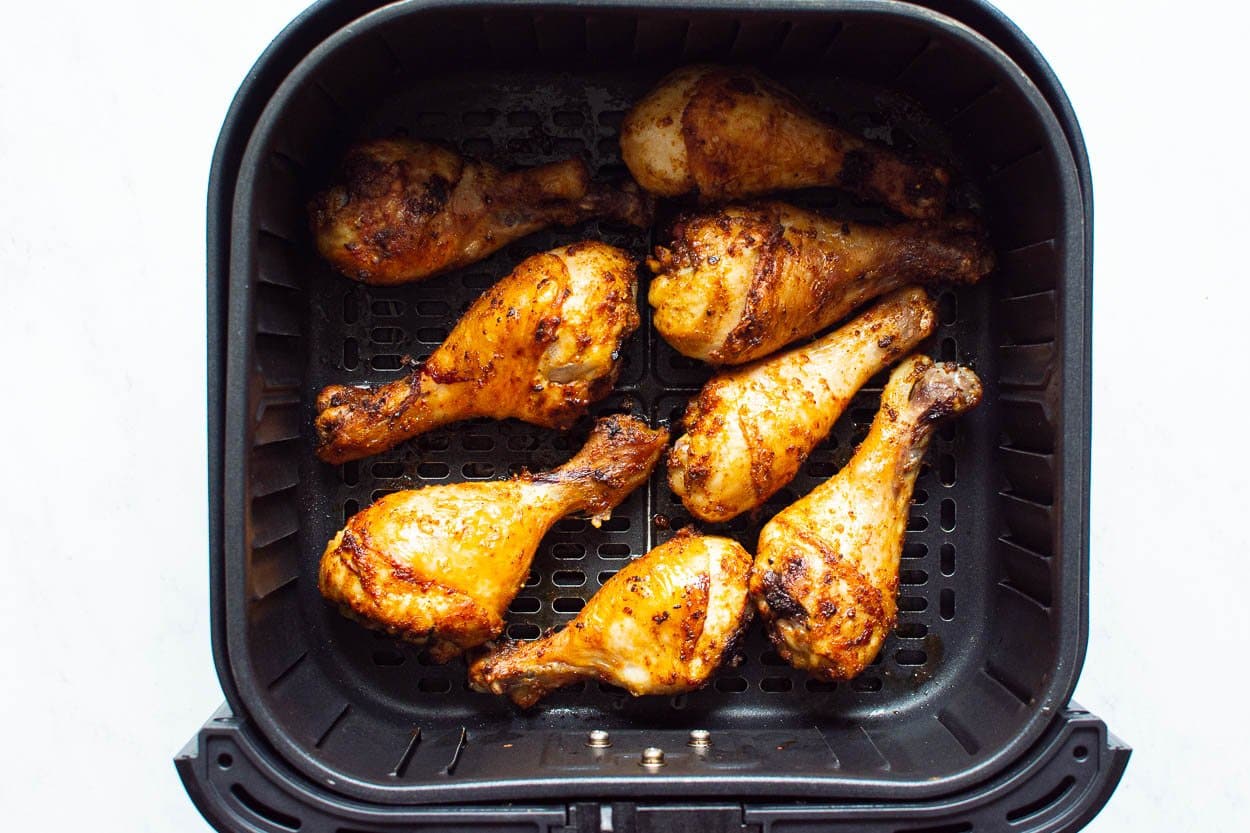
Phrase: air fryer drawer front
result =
(240, 785)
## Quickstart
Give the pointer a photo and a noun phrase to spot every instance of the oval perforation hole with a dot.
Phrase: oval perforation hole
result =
(946, 604)
(568, 604)
(913, 578)
(948, 515)
(912, 630)
(568, 550)
(433, 471)
(350, 507)
(613, 550)
(731, 685)
(478, 470)
(917, 523)
(387, 470)
(912, 604)
(477, 442)
(431, 335)
(524, 630)
(949, 350)
(946, 469)
(434, 685)
(568, 578)
(533, 579)
(605, 576)
(947, 559)
(919, 497)
(349, 308)
(819, 686)
(616, 523)
(386, 335)
(349, 473)
(386, 361)
(378, 494)
(525, 604)
(776, 685)
(915, 549)
(571, 525)
(433, 308)
(351, 354)
(477, 119)
(910, 656)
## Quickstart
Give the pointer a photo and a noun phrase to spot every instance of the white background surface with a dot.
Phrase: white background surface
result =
(108, 115)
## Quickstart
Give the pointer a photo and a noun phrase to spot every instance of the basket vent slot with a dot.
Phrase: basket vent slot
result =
(259, 808)
(1042, 804)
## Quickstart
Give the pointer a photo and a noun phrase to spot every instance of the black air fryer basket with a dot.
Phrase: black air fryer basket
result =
(963, 723)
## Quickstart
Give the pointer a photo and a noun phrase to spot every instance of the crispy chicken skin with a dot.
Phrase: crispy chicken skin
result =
(738, 283)
(540, 346)
(826, 575)
(750, 429)
(661, 625)
(729, 132)
(441, 564)
(405, 210)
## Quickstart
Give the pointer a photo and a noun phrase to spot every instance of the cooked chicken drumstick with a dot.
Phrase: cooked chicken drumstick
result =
(406, 210)
(730, 132)
(441, 564)
(826, 576)
(739, 283)
(541, 346)
(662, 625)
(750, 429)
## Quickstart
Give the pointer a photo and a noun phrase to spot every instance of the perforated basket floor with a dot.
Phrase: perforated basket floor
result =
(986, 611)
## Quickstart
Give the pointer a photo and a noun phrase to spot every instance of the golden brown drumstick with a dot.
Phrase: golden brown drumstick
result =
(406, 210)
(662, 625)
(739, 283)
(541, 346)
(441, 564)
(729, 132)
(750, 429)
(826, 575)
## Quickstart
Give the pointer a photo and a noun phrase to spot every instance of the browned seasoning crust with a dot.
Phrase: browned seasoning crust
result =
(542, 345)
(825, 579)
(730, 132)
(749, 430)
(661, 625)
(440, 565)
(737, 283)
(404, 210)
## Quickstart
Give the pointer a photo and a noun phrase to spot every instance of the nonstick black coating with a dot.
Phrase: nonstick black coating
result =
(992, 602)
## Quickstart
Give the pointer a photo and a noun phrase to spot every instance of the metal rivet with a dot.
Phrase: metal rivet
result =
(700, 738)
(598, 739)
(652, 756)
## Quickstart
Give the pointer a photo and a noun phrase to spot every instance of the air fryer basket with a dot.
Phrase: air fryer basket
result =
(992, 607)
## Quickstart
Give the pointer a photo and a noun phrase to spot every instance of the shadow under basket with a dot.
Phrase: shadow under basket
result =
(964, 720)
